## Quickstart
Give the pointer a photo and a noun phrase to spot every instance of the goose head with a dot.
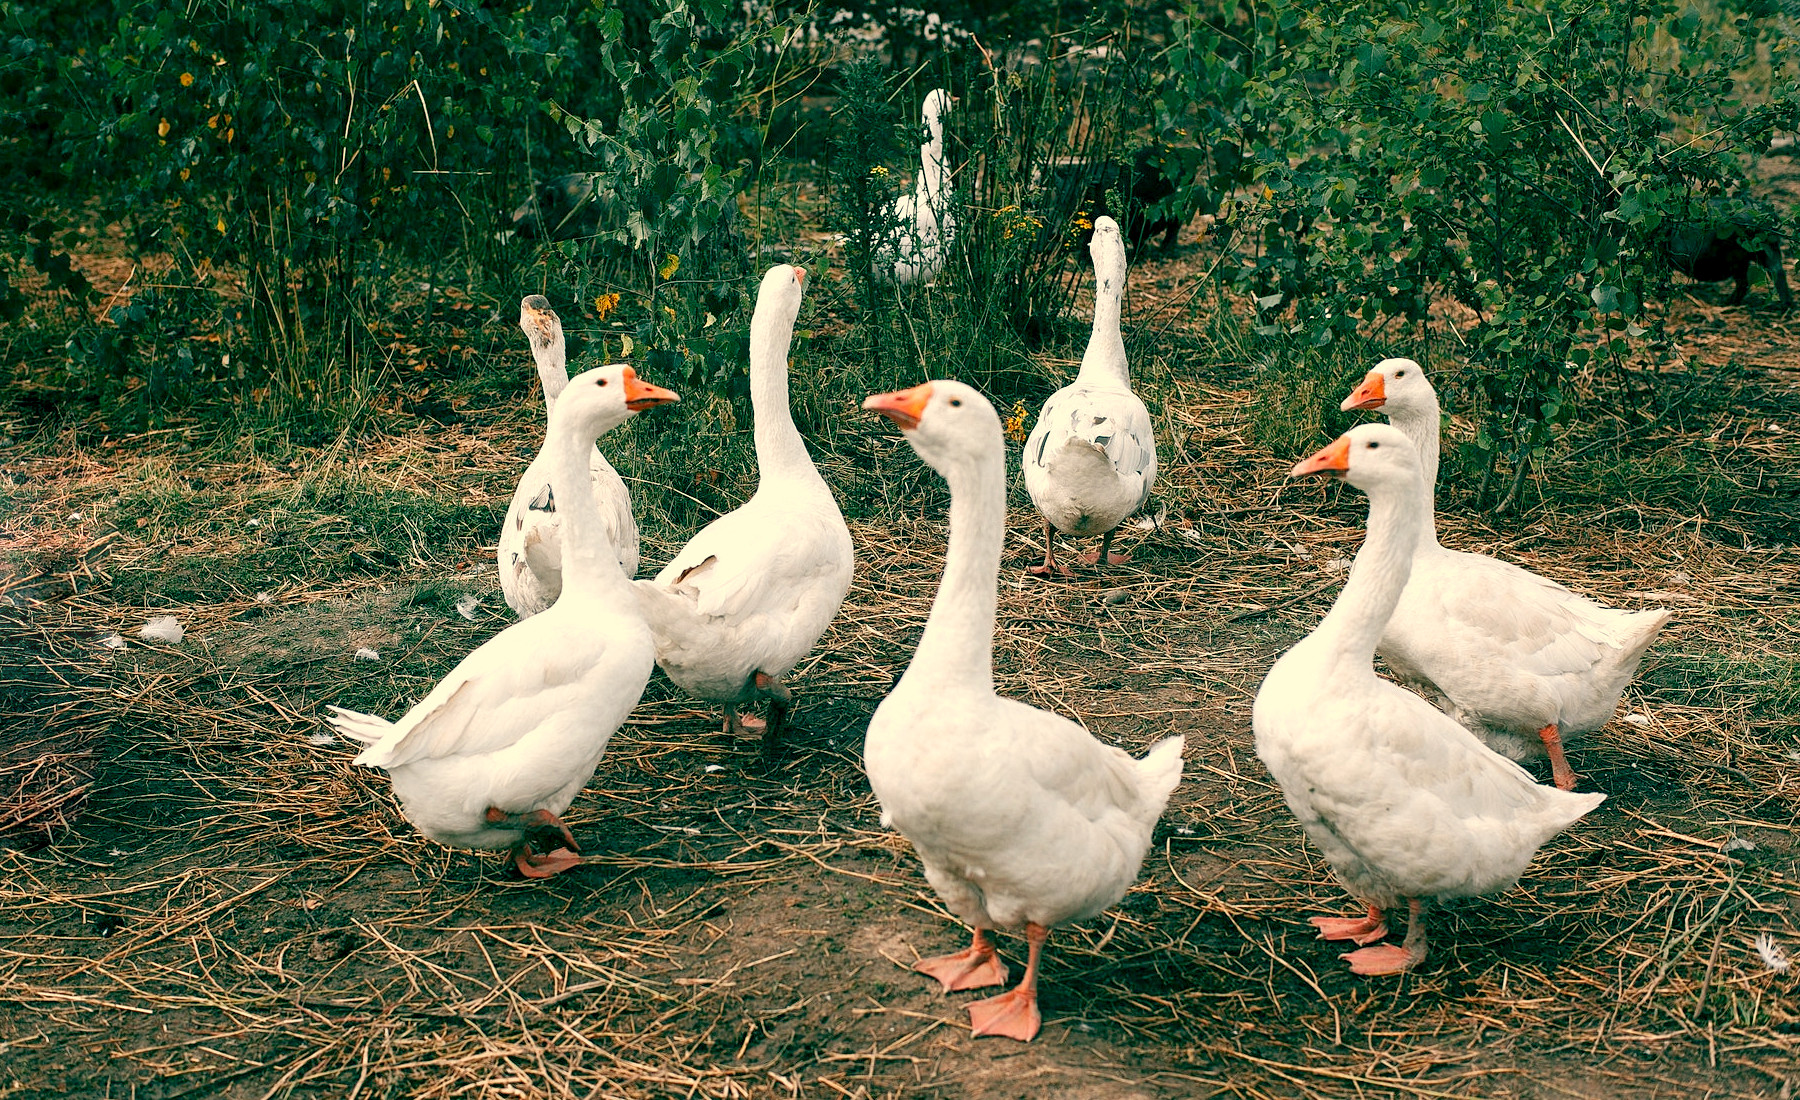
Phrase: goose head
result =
(599, 400)
(541, 324)
(544, 329)
(950, 424)
(1372, 457)
(1397, 387)
(1108, 250)
(937, 104)
(777, 304)
(784, 284)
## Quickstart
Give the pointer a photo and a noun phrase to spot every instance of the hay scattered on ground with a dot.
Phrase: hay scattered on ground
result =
(236, 912)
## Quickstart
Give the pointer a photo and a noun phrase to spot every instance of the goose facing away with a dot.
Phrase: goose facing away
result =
(920, 225)
(1021, 817)
(494, 754)
(530, 545)
(1521, 660)
(751, 593)
(1091, 458)
(1404, 803)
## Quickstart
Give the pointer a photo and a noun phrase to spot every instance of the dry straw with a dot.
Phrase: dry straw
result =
(239, 913)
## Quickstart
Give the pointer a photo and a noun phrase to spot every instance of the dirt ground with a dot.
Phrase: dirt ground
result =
(236, 912)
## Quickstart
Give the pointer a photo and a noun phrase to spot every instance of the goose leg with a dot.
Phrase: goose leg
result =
(1104, 556)
(1358, 930)
(1014, 1014)
(738, 724)
(542, 829)
(781, 701)
(1560, 772)
(1388, 959)
(1051, 565)
(538, 825)
(971, 968)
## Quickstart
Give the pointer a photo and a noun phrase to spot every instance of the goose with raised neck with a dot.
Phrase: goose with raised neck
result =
(1403, 802)
(1022, 819)
(495, 753)
(1090, 460)
(529, 549)
(753, 591)
(920, 224)
(1523, 661)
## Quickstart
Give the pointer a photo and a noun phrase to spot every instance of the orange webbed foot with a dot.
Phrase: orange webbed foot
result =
(974, 967)
(1012, 1015)
(740, 725)
(533, 865)
(1384, 959)
(1358, 930)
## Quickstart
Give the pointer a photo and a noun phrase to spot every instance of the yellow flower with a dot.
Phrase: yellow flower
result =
(220, 224)
(213, 122)
(878, 170)
(669, 267)
(187, 80)
(1015, 423)
(605, 304)
(162, 128)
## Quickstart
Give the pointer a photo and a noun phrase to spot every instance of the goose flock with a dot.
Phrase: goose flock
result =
(1022, 819)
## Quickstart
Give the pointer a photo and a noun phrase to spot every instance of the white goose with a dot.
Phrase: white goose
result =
(751, 593)
(1091, 458)
(1519, 659)
(921, 223)
(499, 748)
(1403, 802)
(530, 554)
(1020, 816)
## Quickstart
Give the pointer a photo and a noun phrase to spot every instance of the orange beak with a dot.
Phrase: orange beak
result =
(1333, 459)
(1372, 394)
(640, 395)
(903, 407)
(800, 274)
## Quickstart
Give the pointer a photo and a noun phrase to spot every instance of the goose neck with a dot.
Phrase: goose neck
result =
(1378, 576)
(958, 644)
(1105, 356)
(553, 371)
(590, 561)
(931, 165)
(1422, 426)
(780, 451)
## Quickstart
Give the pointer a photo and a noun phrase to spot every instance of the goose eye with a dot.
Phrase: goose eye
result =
(956, 402)
(1399, 374)
(603, 383)
(1373, 445)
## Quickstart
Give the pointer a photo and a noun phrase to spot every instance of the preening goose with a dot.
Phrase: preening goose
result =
(1404, 802)
(1091, 458)
(1518, 658)
(921, 223)
(494, 754)
(530, 554)
(751, 593)
(1021, 817)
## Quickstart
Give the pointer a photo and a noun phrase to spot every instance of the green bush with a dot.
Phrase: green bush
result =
(1523, 160)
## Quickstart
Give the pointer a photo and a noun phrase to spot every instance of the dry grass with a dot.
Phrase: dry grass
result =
(239, 913)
